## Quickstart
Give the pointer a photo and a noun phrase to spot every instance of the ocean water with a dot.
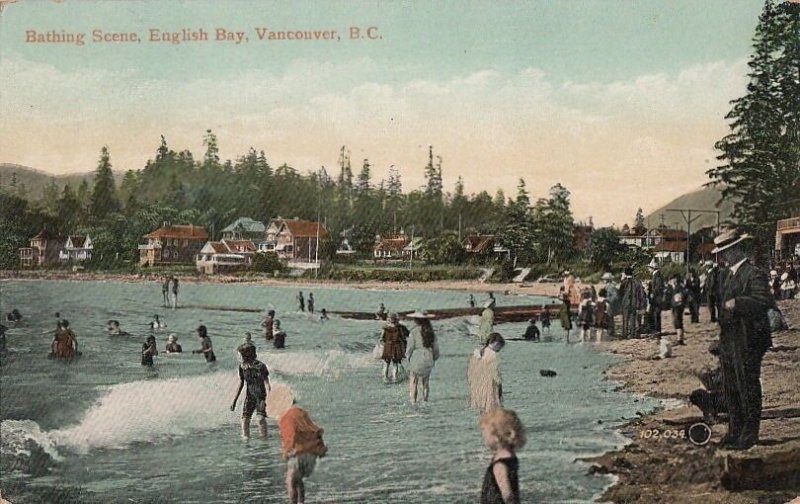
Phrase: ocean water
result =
(103, 429)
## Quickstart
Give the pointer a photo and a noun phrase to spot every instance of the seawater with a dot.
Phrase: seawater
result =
(105, 429)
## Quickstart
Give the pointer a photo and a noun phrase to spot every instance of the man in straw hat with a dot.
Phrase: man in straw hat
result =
(744, 337)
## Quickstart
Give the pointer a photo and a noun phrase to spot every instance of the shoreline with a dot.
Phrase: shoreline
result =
(473, 286)
(674, 470)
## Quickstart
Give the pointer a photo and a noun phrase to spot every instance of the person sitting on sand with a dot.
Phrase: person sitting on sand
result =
(278, 335)
(156, 323)
(255, 374)
(149, 351)
(65, 344)
(172, 344)
(207, 348)
(532, 332)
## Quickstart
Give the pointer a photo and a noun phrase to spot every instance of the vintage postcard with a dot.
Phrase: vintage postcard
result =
(399, 251)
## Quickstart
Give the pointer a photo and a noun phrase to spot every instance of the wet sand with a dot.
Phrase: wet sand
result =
(669, 468)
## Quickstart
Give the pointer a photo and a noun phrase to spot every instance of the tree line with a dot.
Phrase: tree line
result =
(177, 187)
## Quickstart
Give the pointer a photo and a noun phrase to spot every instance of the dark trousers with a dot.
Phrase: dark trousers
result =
(712, 308)
(654, 314)
(694, 309)
(741, 373)
(630, 324)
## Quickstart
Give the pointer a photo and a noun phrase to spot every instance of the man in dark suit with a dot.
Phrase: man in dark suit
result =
(656, 297)
(744, 338)
(712, 289)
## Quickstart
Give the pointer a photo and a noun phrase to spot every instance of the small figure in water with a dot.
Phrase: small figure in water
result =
(207, 348)
(394, 343)
(279, 337)
(149, 351)
(156, 323)
(381, 314)
(532, 332)
(114, 329)
(310, 302)
(267, 324)
(255, 374)
(65, 344)
(471, 301)
(565, 315)
(248, 339)
(14, 316)
(504, 434)
(545, 319)
(174, 292)
(324, 315)
(165, 290)
(172, 344)
(301, 302)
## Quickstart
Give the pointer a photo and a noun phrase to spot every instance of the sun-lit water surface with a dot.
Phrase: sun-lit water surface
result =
(104, 429)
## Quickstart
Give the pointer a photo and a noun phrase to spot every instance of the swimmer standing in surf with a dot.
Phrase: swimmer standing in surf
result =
(255, 375)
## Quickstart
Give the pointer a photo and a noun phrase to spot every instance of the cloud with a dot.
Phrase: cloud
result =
(617, 145)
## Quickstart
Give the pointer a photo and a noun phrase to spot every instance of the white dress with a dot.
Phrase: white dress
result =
(420, 358)
(484, 380)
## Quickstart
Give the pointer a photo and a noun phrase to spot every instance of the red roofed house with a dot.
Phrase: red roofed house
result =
(476, 244)
(43, 251)
(77, 249)
(225, 255)
(172, 245)
(297, 239)
(391, 247)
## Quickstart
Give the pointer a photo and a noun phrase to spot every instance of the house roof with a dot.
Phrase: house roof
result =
(395, 244)
(245, 225)
(240, 245)
(671, 246)
(478, 243)
(183, 232)
(705, 248)
(218, 247)
(78, 241)
(670, 234)
(298, 227)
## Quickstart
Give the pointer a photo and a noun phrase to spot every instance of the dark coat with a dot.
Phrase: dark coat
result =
(748, 321)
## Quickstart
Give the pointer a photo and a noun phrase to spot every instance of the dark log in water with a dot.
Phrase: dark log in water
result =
(223, 308)
(519, 313)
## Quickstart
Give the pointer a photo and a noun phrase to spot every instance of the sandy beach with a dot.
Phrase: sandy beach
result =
(672, 469)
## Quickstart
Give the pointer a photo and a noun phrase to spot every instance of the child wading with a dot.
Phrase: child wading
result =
(255, 374)
(503, 433)
(149, 351)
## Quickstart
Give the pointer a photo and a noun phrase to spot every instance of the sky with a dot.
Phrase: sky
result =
(619, 101)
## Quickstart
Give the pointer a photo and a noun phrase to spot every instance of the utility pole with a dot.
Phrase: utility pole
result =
(686, 213)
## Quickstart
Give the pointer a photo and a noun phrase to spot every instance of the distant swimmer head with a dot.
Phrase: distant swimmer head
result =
(271, 313)
(248, 337)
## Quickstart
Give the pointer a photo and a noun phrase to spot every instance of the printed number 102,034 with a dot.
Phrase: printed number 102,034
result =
(662, 434)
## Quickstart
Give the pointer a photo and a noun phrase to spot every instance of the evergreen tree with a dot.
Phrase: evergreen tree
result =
(363, 186)
(760, 156)
(638, 221)
(104, 200)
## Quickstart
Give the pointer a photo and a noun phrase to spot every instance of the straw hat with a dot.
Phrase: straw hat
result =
(420, 314)
(607, 276)
(728, 239)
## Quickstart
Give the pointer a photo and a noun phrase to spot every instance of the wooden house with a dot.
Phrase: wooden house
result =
(44, 250)
(76, 249)
(297, 239)
(225, 255)
(391, 247)
(172, 244)
(245, 228)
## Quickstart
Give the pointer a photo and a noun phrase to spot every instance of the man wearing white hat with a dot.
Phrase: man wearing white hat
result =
(744, 337)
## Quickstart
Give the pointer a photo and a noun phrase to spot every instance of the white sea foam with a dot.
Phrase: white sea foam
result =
(16, 435)
(329, 364)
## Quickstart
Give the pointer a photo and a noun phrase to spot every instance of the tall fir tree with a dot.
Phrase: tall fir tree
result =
(760, 156)
(104, 200)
